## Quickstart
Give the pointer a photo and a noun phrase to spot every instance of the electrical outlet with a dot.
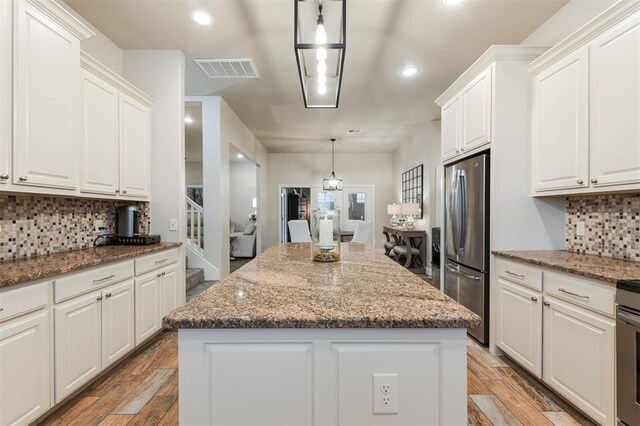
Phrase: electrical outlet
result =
(173, 224)
(580, 229)
(98, 224)
(385, 393)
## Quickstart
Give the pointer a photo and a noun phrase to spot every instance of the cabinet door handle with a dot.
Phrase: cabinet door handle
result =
(161, 261)
(117, 191)
(534, 299)
(104, 279)
(99, 298)
(158, 276)
(513, 274)
(164, 273)
(4, 176)
(547, 304)
(108, 295)
(594, 180)
(570, 293)
(1, 309)
(580, 181)
(124, 191)
(22, 178)
(457, 151)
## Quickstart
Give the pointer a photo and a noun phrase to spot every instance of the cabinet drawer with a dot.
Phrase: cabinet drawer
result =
(23, 300)
(591, 294)
(93, 279)
(517, 272)
(155, 261)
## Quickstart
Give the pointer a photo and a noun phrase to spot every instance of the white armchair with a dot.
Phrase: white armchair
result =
(244, 244)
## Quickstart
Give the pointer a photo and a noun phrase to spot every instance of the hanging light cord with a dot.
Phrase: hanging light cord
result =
(333, 143)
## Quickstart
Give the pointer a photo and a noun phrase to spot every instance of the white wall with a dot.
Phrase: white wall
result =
(572, 16)
(193, 172)
(242, 178)
(99, 46)
(354, 169)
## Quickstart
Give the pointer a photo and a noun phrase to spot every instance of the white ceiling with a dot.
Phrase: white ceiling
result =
(382, 36)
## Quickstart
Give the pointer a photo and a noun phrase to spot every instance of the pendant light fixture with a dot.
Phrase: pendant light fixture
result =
(332, 183)
(319, 52)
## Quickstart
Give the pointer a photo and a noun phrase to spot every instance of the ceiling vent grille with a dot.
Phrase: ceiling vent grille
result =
(228, 68)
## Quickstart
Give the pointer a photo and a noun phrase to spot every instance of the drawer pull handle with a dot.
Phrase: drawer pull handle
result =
(161, 261)
(1, 309)
(108, 295)
(158, 276)
(22, 178)
(547, 304)
(4, 176)
(580, 181)
(534, 299)
(513, 274)
(573, 294)
(104, 279)
(99, 298)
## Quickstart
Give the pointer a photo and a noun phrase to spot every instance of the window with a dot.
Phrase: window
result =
(356, 206)
(326, 200)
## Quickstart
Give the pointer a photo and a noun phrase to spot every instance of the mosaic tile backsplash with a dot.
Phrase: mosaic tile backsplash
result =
(33, 225)
(612, 225)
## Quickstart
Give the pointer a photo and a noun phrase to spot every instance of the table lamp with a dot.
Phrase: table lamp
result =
(395, 210)
(409, 210)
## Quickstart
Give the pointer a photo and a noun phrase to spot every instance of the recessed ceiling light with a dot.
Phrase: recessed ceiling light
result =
(202, 18)
(409, 71)
(188, 120)
(451, 2)
(240, 156)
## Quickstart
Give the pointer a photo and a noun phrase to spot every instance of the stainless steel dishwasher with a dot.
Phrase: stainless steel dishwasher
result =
(628, 352)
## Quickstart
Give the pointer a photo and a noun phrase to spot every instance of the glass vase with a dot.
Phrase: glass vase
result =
(325, 235)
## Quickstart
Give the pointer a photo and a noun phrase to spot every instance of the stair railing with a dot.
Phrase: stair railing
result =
(195, 221)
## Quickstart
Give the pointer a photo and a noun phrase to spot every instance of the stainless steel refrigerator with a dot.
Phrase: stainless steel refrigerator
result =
(466, 263)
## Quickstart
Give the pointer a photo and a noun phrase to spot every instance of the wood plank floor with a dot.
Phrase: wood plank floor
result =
(143, 390)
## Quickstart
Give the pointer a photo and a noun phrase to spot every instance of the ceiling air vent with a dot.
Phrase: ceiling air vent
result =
(228, 68)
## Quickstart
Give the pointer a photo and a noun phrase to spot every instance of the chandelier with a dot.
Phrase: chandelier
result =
(319, 42)
(332, 183)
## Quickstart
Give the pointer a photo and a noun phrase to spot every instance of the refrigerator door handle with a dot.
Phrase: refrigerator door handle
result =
(463, 211)
(453, 210)
(459, 272)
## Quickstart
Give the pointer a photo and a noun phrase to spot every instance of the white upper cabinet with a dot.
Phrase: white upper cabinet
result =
(134, 147)
(476, 116)
(47, 64)
(615, 105)
(586, 118)
(5, 90)
(99, 136)
(560, 124)
(451, 128)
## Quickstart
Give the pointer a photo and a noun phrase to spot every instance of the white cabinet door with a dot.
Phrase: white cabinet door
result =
(78, 355)
(169, 289)
(98, 136)
(615, 105)
(46, 82)
(134, 147)
(25, 374)
(476, 111)
(519, 325)
(148, 306)
(118, 322)
(5, 90)
(578, 358)
(451, 129)
(560, 125)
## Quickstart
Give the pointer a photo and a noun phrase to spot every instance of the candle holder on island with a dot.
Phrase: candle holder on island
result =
(325, 235)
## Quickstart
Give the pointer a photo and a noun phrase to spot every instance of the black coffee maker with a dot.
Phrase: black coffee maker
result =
(127, 221)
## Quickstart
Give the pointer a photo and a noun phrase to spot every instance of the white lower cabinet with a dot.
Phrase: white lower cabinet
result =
(563, 333)
(156, 296)
(118, 322)
(579, 358)
(25, 374)
(519, 325)
(91, 333)
(78, 353)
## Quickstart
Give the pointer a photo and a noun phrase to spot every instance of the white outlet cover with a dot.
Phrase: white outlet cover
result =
(173, 224)
(385, 393)
(580, 229)
(99, 223)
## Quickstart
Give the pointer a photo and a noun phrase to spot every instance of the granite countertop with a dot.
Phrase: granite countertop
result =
(284, 288)
(591, 266)
(13, 272)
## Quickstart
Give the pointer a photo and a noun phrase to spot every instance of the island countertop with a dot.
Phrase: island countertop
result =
(284, 288)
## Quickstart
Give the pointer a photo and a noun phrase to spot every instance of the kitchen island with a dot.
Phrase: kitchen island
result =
(285, 340)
